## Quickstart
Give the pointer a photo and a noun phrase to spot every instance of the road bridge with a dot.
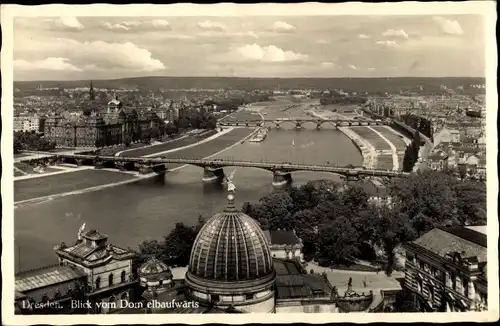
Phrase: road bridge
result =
(213, 168)
(298, 123)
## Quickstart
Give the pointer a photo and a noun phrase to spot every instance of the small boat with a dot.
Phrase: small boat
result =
(293, 142)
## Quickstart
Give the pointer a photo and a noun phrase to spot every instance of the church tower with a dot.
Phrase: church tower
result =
(91, 92)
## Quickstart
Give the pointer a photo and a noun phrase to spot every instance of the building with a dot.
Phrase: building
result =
(445, 270)
(117, 125)
(232, 270)
(28, 123)
(93, 269)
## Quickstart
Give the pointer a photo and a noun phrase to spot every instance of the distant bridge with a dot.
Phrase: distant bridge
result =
(213, 168)
(300, 122)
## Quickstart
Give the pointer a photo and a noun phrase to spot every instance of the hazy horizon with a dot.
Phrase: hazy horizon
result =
(103, 48)
(244, 77)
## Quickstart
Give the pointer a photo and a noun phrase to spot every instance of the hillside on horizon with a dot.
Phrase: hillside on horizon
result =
(249, 83)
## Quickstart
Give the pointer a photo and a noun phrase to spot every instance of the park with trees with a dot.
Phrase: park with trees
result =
(31, 141)
(338, 224)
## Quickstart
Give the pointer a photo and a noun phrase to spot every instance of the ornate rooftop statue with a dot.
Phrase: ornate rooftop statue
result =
(230, 185)
(80, 231)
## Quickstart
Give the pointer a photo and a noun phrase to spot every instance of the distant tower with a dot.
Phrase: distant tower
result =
(91, 92)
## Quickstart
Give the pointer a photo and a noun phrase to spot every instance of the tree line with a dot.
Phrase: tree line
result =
(411, 153)
(338, 223)
(418, 123)
(31, 141)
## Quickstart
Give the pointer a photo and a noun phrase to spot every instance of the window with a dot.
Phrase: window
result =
(122, 277)
(110, 279)
(97, 283)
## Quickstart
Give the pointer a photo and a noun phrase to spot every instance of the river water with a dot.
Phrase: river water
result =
(150, 208)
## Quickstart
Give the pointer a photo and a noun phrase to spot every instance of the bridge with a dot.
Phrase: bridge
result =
(213, 169)
(300, 122)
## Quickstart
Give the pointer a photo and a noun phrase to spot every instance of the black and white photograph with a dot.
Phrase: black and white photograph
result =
(226, 158)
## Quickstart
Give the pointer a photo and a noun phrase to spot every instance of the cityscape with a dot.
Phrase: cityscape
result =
(253, 164)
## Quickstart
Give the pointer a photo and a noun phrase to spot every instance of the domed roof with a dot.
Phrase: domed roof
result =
(153, 267)
(230, 247)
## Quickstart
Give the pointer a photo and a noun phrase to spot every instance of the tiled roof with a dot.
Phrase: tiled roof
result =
(454, 239)
(301, 286)
(285, 267)
(46, 276)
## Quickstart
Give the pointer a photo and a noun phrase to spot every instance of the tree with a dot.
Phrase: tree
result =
(178, 244)
(275, 208)
(337, 243)
(471, 202)
(18, 145)
(155, 132)
(183, 123)
(175, 248)
(409, 159)
(171, 129)
(146, 135)
(426, 198)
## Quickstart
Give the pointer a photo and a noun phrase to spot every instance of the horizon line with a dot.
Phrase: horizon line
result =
(243, 77)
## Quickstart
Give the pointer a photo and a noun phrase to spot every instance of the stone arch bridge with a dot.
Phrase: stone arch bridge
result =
(213, 168)
(298, 123)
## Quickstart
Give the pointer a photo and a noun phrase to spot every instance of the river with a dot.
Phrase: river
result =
(149, 209)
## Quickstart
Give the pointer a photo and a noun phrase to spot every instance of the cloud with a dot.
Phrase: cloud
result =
(328, 64)
(363, 36)
(322, 41)
(388, 43)
(353, 67)
(224, 34)
(450, 27)
(283, 27)
(371, 69)
(52, 63)
(396, 33)
(94, 55)
(136, 26)
(66, 23)
(271, 53)
(212, 26)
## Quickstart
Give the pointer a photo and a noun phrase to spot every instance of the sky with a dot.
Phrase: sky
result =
(76, 48)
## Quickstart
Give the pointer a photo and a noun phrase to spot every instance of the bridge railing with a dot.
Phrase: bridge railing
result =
(242, 163)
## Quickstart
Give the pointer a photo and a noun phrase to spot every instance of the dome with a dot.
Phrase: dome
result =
(153, 268)
(230, 247)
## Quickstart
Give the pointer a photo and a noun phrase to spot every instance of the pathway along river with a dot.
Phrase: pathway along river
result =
(150, 208)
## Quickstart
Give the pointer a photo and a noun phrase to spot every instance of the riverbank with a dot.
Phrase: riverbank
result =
(93, 183)
(367, 150)
(181, 142)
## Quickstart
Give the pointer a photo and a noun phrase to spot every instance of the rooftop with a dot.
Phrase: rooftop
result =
(46, 276)
(301, 286)
(480, 228)
(466, 241)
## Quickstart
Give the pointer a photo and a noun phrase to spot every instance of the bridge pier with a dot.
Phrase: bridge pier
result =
(212, 174)
(281, 178)
(159, 169)
(298, 125)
